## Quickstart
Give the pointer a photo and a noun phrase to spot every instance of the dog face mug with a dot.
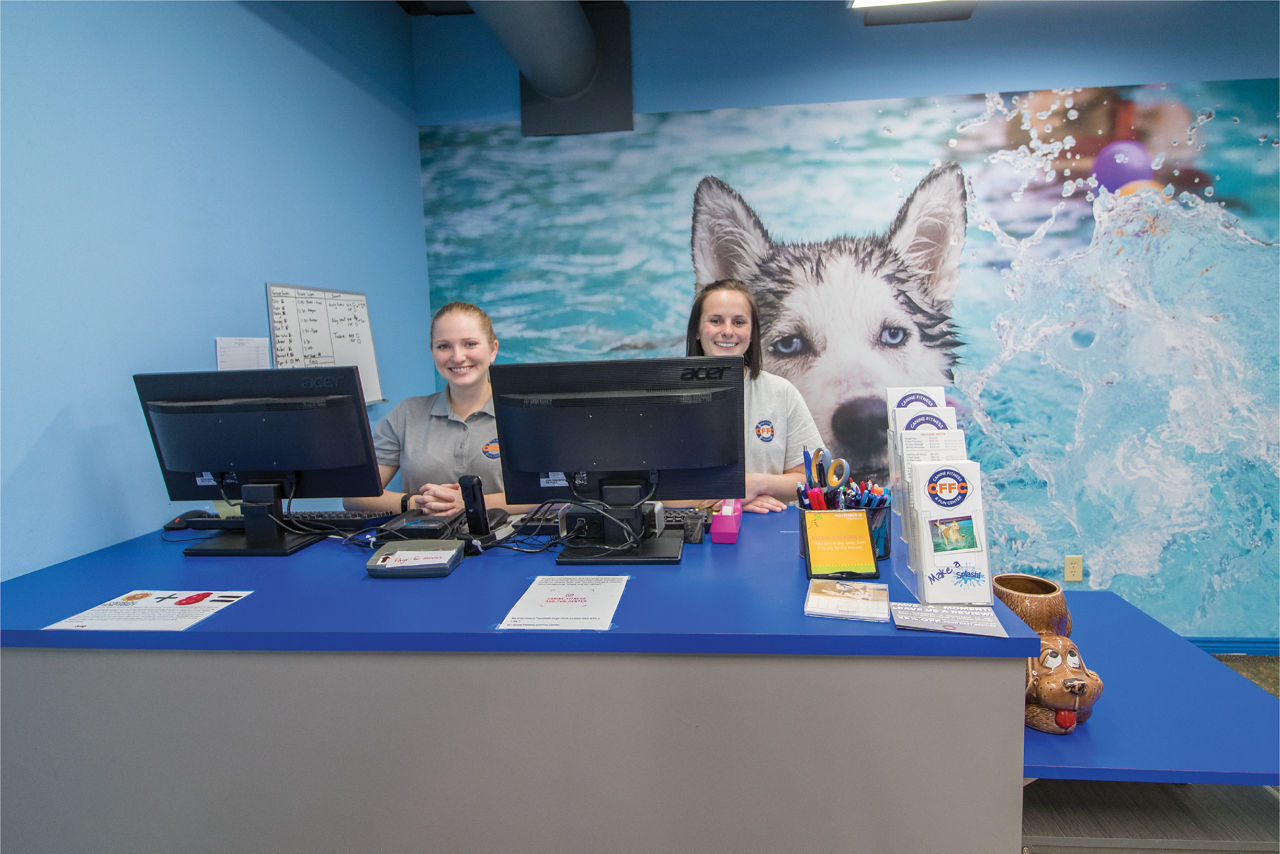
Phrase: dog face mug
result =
(1061, 691)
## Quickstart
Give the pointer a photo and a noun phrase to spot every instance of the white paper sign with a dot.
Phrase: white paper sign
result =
(567, 602)
(153, 610)
(238, 354)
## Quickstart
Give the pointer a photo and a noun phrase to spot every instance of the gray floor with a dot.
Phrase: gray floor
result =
(1070, 816)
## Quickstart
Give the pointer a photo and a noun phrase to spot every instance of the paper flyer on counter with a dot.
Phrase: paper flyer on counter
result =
(153, 610)
(568, 602)
(850, 600)
(961, 619)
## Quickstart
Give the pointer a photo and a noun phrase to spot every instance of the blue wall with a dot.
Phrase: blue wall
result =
(162, 161)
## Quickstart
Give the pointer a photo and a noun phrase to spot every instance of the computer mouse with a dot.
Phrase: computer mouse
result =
(178, 523)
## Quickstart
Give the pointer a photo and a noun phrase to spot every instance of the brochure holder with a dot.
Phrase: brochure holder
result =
(946, 535)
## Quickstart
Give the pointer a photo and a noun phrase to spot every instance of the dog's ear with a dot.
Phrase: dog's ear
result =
(929, 231)
(728, 240)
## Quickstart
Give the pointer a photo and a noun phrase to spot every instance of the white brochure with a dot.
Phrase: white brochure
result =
(907, 397)
(921, 446)
(948, 548)
(567, 602)
(153, 610)
(916, 419)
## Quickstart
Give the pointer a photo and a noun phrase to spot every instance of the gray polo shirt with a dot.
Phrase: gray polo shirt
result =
(429, 443)
(778, 425)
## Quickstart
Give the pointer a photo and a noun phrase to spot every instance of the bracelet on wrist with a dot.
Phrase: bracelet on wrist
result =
(404, 502)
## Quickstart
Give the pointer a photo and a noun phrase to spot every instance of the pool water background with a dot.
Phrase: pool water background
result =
(1119, 378)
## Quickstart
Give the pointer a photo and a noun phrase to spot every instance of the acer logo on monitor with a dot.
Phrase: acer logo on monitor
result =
(703, 373)
(320, 383)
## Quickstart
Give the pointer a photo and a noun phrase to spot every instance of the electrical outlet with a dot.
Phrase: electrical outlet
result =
(1073, 569)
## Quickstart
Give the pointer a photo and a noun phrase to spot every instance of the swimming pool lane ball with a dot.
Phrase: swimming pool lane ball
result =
(1120, 163)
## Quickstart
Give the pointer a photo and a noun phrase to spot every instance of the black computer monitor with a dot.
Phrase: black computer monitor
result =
(260, 437)
(620, 433)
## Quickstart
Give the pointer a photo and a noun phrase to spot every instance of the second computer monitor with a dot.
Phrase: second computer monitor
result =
(665, 428)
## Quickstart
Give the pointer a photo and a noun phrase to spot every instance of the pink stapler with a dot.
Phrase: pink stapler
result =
(726, 521)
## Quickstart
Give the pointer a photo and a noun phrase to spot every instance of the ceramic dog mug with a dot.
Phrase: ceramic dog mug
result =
(1060, 691)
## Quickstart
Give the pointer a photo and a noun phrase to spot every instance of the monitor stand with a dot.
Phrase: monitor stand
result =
(261, 536)
(665, 548)
(238, 543)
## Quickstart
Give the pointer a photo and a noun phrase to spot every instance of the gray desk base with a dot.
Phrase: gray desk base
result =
(1077, 816)
(137, 751)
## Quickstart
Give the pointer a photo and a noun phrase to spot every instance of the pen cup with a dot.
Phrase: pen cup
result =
(879, 526)
(879, 521)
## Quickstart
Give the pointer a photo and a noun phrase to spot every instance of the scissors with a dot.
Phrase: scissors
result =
(828, 472)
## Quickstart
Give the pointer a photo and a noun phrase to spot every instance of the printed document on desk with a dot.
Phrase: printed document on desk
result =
(961, 619)
(568, 602)
(153, 610)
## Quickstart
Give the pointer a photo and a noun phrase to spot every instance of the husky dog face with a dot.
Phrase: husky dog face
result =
(849, 317)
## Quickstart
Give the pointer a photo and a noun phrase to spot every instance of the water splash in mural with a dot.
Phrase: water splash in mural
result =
(1132, 408)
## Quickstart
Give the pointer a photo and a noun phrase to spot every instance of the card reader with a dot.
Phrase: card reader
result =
(415, 559)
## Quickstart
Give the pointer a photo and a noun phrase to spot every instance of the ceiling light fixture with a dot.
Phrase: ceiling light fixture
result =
(878, 12)
(870, 4)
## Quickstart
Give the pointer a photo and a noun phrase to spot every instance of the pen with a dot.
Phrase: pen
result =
(808, 468)
(801, 497)
(815, 500)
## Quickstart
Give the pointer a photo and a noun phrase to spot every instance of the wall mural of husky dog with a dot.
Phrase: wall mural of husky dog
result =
(847, 317)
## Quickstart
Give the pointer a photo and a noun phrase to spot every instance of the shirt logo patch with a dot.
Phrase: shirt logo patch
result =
(764, 431)
(490, 448)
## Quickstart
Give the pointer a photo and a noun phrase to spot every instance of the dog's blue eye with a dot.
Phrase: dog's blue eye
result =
(790, 345)
(893, 336)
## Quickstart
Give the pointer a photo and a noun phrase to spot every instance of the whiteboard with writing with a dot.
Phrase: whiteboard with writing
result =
(313, 327)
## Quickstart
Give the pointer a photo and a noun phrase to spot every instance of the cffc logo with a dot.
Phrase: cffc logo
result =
(702, 373)
(764, 431)
(947, 487)
(490, 448)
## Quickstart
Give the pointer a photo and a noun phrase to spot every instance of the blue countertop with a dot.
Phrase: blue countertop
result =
(744, 598)
(1169, 713)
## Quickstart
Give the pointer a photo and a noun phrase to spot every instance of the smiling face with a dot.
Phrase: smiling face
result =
(725, 326)
(462, 349)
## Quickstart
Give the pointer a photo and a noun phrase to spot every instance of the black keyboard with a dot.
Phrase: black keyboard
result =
(342, 520)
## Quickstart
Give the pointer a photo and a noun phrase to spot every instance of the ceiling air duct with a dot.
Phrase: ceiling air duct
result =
(574, 61)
